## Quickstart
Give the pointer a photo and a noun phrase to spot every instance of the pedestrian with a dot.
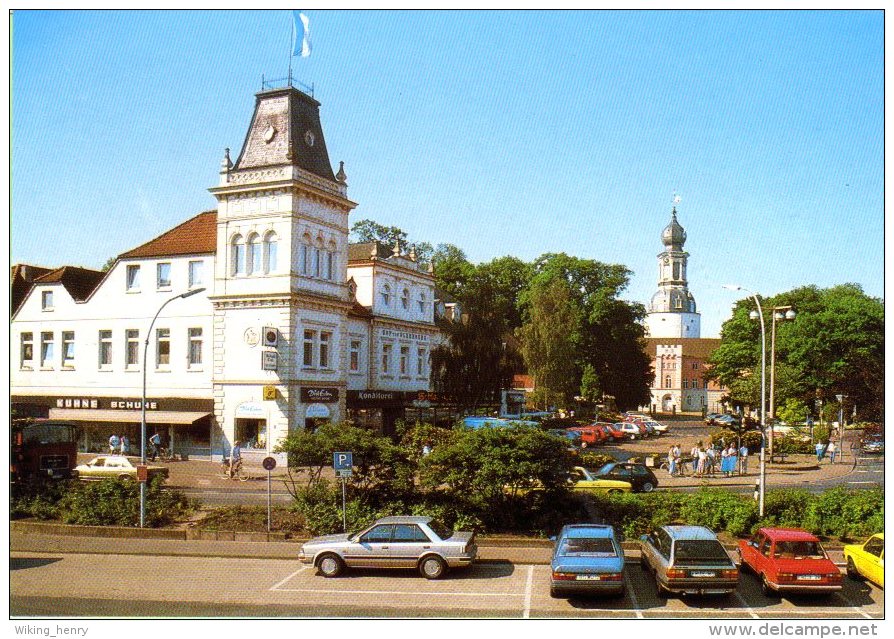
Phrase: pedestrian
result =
(114, 443)
(235, 457)
(820, 452)
(426, 449)
(155, 440)
(724, 462)
(678, 461)
(732, 454)
(702, 460)
(125, 444)
(743, 460)
(710, 460)
(671, 462)
(832, 450)
(694, 454)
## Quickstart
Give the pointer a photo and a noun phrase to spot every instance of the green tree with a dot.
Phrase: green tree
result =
(835, 345)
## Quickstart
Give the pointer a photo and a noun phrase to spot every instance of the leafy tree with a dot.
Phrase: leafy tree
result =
(608, 343)
(835, 345)
(109, 263)
(369, 231)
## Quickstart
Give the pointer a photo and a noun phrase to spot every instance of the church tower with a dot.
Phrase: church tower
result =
(280, 292)
(671, 312)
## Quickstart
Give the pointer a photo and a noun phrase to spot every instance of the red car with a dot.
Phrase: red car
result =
(590, 435)
(614, 431)
(789, 560)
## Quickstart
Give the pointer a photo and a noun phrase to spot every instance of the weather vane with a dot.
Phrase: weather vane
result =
(677, 198)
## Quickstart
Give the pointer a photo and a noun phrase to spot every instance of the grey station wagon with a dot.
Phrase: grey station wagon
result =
(393, 542)
(688, 560)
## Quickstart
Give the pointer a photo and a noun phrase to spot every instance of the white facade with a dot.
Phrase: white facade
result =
(280, 335)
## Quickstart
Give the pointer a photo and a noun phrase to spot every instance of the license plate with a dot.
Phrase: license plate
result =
(588, 578)
(695, 573)
(810, 577)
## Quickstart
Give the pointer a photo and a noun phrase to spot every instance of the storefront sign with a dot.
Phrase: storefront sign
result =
(95, 403)
(268, 361)
(251, 410)
(390, 333)
(317, 411)
(323, 395)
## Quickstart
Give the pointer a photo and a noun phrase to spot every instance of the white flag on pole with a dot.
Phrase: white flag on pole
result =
(300, 44)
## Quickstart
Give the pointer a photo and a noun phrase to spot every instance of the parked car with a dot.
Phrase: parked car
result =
(873, 444)
(587, 559)
(613, 430)
(630, 430)
(585, 481)
(590, 436)
(789, 560)
(572, 436)
(730, 421)
(392, 542)
(658, 427)
(115, 466)
(710, 417)
(867, 560)
(636, 417)
(688, 560)
(641, 477)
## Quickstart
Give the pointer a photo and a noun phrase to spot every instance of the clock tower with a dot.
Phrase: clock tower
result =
(672, 309)
(280, 292)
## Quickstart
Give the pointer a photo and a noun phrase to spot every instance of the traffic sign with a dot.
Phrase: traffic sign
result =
(347, 472)
(269, 463)
(342, 460)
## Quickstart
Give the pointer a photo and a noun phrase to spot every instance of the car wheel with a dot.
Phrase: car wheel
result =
(432, 567)
(648, 487)
(766, 588)
(633, 438)
(331, 565)
(553, 592)
(662, 591)
(852, 569)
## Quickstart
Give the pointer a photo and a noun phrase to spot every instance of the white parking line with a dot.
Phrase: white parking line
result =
(854, 607)
(636, 608)
(529, 585)
(403, 593)
(747, 607)
(300, 570)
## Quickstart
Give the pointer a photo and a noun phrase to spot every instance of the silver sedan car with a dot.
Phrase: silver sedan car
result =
(392, 542)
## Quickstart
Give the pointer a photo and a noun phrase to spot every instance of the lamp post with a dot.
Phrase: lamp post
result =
(143, 400)
(778, 314)
(763, 465)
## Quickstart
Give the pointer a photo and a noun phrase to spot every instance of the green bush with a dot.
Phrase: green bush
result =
(719, 509)
(785, 508)
(844, 513)
(321, 506)
(592, 460)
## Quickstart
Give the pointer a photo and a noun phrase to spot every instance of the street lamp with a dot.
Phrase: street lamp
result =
(778, 314)
(143, 401)
(763, 468)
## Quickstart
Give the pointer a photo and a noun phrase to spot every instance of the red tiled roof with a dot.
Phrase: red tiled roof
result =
(21, 279)
(195, 235)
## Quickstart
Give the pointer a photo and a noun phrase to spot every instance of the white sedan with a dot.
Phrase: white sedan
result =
(116, 466)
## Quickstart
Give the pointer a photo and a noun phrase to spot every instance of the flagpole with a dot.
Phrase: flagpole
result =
(291, 45)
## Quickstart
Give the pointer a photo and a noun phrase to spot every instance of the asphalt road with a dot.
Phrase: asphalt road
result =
(91, 585)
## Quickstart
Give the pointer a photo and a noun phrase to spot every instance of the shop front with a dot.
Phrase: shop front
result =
(380, 410)
(184, 425)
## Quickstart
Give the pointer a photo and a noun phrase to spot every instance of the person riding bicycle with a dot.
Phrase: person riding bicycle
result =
(235, 457)
(155, 440)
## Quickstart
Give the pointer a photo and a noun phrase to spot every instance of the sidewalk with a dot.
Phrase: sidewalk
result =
(797, 470)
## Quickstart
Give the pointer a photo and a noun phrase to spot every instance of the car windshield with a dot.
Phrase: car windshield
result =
(586, 547)
(798, 550)
(699, 551)
(440, 529)
(605, 469)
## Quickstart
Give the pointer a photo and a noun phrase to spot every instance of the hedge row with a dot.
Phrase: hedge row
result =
(838, 512)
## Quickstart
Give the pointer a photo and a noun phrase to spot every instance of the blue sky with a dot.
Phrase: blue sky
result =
(505, 133)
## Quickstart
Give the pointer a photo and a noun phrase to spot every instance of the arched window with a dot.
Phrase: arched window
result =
(270, 241)
(237, 264)
(405, 299)
(386, 295)
(667, 382)
(330, 261)
(254, 254)
(305, 255)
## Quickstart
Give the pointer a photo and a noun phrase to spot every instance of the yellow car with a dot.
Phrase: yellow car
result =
(584, 481)
(867, 560)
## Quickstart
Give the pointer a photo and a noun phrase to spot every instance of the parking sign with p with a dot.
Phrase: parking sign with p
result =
(342, 460)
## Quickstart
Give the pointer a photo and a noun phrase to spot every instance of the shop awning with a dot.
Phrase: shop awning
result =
(126, 416)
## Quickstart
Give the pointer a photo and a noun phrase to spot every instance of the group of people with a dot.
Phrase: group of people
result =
(822, 449)
(119, 445)
(706, 461)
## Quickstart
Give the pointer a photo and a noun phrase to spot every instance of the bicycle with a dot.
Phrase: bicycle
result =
(238, 472)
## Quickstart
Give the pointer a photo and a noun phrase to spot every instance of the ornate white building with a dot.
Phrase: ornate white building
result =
(290, 324)
(673, 335)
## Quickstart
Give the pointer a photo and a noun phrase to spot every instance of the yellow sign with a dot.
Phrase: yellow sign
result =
(269, 392)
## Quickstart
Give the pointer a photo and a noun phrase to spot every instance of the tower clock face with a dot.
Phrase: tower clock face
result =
(667, 260)
(269, 134)
(309, 138)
